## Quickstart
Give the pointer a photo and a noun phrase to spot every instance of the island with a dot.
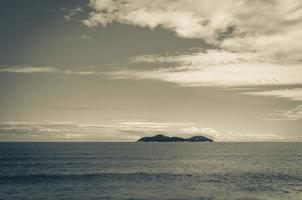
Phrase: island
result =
(164, 138)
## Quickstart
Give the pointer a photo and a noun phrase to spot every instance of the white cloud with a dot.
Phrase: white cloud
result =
(153, 125)
(36, 69)
(251, 137)
(57, 131)
(288, 115)
(25, 69)
(216, 68)
(86, 37)
(241, 25)
(257, 42)
(293, 94)
(78, 72)
(72, 13)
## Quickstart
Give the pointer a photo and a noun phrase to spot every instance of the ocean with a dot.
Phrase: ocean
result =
(150, 171)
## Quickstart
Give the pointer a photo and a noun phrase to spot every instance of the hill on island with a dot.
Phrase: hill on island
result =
(164, 138)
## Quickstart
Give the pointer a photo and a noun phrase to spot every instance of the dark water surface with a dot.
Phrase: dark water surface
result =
(151, 171)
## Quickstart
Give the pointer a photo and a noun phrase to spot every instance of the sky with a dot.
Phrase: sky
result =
(106, 70)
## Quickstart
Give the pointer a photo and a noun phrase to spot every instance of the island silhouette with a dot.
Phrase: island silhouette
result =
(164, 138)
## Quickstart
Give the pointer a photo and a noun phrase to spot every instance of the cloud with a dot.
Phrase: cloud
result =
(120, 131)
(252, 137)
(37, 69)
(288, 115)
(142, 124)
(215, 68)
(27, 69)
(254, 42)
(58, 131)
(293, 94)
(86, 37)
(78, 108)
(72, 13)
(271, 26)
(78, 72)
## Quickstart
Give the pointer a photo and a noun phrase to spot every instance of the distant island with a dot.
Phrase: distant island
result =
(164, 138)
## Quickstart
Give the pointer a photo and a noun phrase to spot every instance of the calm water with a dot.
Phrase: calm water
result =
(150, 171)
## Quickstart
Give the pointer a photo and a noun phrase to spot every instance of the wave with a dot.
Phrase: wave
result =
(120, 175)
(211, 177)
(243, 181)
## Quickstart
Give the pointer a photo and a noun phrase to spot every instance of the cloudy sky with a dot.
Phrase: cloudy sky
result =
(117, 70)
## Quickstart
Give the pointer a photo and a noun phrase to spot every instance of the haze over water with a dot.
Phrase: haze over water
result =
(151, 171)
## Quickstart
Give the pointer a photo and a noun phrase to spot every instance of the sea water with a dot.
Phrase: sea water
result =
(150, 171)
